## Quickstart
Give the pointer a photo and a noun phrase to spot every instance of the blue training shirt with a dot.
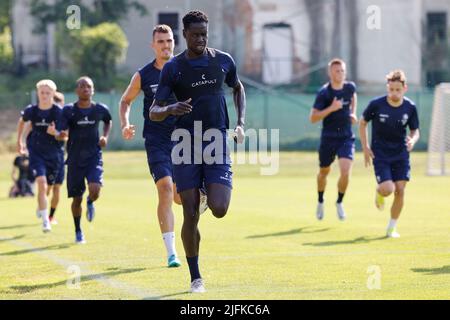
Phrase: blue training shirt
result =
(156, 131)
(83, 125)
(39, 142)
(200, 79)
(389, 127)
(337, 124)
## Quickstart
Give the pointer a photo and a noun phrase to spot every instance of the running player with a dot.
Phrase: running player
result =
(196, 77)
(84, 154)
(335, 105)
(56, 187)
(391, 115)
(156, 134)
(42, 145)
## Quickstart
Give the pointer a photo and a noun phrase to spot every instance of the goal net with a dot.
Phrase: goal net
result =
(439, 139)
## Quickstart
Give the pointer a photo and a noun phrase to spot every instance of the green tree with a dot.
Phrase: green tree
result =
(100, 11)
(96, 51)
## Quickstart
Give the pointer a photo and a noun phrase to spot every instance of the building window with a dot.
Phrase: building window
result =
(171, 19)
(436, 27)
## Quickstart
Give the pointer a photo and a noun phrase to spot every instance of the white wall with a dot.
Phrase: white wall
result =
(396, 45)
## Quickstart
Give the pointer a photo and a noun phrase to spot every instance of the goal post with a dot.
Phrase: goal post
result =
(439, 138)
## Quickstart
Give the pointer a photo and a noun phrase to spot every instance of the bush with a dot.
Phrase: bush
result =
(96, 51)
(6, 51)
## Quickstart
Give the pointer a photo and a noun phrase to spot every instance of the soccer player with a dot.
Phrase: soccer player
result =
(389, 151)
(42, 145)
(158, 143)
(84, 154)
(56, 187)
(196, 77)
(335, 106)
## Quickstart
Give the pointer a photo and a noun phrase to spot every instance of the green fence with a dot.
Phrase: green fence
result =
(274, 109)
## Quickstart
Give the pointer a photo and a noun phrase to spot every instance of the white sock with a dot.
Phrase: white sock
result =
(169, 241)
(44, 214)
(392, 223)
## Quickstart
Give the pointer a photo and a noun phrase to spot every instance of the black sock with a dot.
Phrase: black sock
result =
(77, 221)
(193, 267)
(89, 200)
(321, 196)
(52, 212)
(340, 197)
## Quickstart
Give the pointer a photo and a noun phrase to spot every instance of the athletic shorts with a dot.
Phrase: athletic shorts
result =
(397, 170)
(44, 167)
(332, 147)
(61, 171)
(76, 177)
(212, 166)
(159, 160)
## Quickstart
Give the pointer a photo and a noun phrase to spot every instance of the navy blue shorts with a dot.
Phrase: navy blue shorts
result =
(76, 176)
(396, 170)
(196, 174)
(330, 147)
(44, 167)
(61, 171)
(159, 160)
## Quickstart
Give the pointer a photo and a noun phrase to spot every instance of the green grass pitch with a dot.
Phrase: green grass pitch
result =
(269, 246)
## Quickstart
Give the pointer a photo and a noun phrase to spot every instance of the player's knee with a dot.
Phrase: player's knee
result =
(386, 190)
(219, 210)
(400, 192)
(94, 193)
(76, 202)
(323, 173)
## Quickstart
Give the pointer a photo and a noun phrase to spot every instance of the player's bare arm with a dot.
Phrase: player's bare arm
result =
(240, 105)
(412, 139)
(353, 107)
(21, 148)
(103, 141)
(368, 154)
(159, 111)
(130, 94)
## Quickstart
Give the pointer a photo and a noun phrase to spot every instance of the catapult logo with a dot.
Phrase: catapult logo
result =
(85, 121)
(204, 81)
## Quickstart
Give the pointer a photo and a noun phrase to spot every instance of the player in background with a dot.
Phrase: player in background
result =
(157, 135)
(335, 106)
(55, 189)
(391, 145)
(42, 146)
(80, 122)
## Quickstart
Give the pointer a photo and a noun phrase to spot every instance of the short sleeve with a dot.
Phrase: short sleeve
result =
(106, 114)
(320, 102)
(413, 121)
(166, 83)
(27, 113)
(231, 79)
(63, 123)
(369, 112)
(352, 87)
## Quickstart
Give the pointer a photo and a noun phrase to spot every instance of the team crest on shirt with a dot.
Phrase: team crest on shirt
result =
(383, 117)
(154, 87)
(405, 119)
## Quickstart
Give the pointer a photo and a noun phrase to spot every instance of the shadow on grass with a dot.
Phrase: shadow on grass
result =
(13, 238)
(354, 241)
(97, 276)
(433, 271)
(167, 296)
(32, 250)
(287, 233)
(18, 226)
